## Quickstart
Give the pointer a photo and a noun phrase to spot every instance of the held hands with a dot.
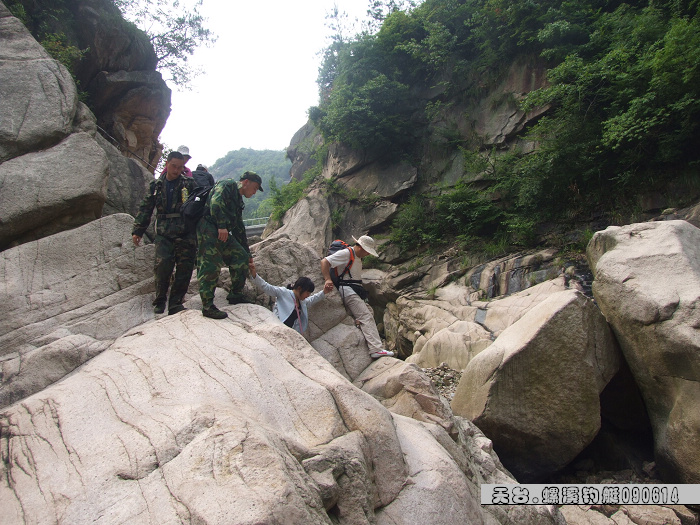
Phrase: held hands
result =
(251, 267)
(328, 286)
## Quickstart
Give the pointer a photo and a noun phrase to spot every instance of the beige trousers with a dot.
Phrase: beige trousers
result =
(358, 309)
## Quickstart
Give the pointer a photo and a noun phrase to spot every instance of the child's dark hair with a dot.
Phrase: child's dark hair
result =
(306, 285)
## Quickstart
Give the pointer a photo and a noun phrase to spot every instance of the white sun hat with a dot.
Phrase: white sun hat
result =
(367, 243)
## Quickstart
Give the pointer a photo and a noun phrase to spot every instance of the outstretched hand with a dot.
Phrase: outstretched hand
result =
(251, 267)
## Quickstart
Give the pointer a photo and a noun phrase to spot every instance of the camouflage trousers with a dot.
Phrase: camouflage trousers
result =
(212, 255)
(173, 253)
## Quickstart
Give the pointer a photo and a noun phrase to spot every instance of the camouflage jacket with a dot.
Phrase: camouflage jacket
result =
(168, 221)
(225, 210)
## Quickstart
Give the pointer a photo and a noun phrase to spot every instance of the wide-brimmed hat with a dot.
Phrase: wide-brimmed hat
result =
(254, 177)
(185, 151)
(368, 244)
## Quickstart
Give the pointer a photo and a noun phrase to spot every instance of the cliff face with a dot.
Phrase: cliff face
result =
(127, 95)
(366, 189)
(56, 171)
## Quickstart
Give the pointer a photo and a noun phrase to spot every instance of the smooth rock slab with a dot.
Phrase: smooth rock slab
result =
(187, 419)
(66, 297)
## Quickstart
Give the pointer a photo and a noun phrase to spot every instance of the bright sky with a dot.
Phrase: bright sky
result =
(259, 77)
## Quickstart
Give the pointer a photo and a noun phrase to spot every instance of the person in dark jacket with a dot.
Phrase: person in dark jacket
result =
(202, 177)
(222, 240)
(176, 248)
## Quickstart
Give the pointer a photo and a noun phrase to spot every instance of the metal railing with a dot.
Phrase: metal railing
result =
(260, 221)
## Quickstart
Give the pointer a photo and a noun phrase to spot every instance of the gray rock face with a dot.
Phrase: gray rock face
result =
(647, 283)
(130, 99)
(383, 181)
(535, 390)
(65, 298)
(37, 94)
(128, 182)
(48, 191)
(303, 145)
(133, 106)
(307, 222)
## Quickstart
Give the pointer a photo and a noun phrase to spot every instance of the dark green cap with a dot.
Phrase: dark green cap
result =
(252, 176)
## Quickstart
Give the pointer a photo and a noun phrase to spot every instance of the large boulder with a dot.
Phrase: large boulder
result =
(233, 421)
(535, 391)
(38, 98)
(307, 222)
(58, 310)
(647, 283)
(52, 190)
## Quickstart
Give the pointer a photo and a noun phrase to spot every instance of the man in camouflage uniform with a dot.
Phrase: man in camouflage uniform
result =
(222, 241)
(175, 247)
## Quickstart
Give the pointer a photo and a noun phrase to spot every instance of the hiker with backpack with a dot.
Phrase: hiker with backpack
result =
(202, 177)
(176, 246)
(342, 269)
(222, 240)
(291, 306)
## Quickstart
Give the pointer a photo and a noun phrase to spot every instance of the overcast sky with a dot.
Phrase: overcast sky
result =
(259, 77)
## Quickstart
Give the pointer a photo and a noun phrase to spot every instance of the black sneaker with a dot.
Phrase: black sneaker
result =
(214, 313)
(159, 309)
(176, 309)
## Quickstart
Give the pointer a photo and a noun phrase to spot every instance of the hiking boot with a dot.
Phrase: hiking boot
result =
(238, 299)
(381, 353)
(158, 308)
(214, 313)
(176, 309)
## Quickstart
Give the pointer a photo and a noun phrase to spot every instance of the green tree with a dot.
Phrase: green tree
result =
(176, 30)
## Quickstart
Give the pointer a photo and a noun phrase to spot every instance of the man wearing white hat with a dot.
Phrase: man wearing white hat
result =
(350, 259)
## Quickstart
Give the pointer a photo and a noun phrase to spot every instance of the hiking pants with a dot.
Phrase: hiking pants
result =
(358, 309)
(212, 255)
(173, 253)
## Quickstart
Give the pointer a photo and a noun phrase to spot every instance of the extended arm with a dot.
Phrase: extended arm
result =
(326, 272)
(143, 218)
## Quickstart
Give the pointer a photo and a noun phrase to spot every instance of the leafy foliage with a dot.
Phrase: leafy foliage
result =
(176, 29)
(623, 99)
(52, 26)
(57, 46)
